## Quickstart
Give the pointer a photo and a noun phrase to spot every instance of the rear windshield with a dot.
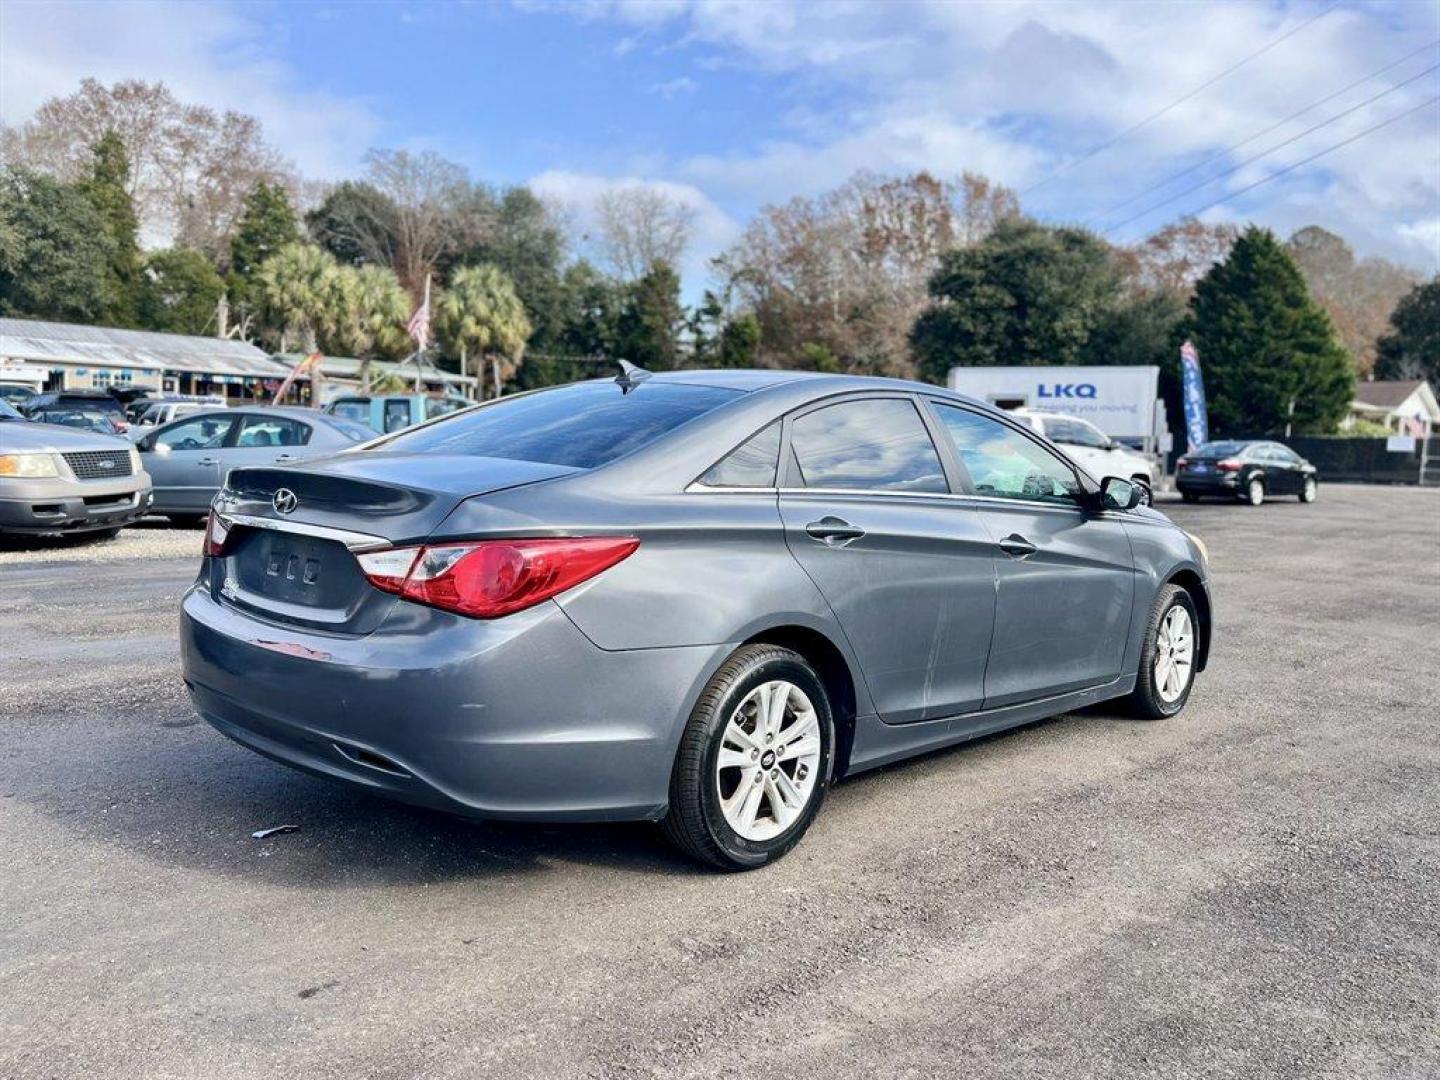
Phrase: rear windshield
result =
(583, 425)
(1221, 449)
(106, 404)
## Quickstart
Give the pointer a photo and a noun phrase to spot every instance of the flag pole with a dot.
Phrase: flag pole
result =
(426, 339)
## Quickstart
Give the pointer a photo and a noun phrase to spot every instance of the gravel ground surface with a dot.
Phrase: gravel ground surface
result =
(152, 538)
(1251, 889)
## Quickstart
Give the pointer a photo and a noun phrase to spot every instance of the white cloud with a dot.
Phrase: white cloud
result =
(219, 56)
(1019, 90)
(673, 88)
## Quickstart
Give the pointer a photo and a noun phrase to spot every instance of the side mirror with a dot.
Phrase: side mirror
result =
(1120, 494)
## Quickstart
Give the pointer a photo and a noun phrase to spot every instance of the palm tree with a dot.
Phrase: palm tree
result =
(303, 293)
(375, 317)
(480, 313)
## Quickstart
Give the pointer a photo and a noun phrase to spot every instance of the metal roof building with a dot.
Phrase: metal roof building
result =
(87, 357)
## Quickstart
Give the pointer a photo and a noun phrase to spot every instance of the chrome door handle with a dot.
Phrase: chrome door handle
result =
(834, 531)
(1017, 547)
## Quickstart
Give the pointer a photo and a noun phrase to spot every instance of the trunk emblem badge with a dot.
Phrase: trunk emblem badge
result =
(285, 501)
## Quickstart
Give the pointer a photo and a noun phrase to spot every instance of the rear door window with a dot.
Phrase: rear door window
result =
(877, 444)
(260, 431)
(582, 426)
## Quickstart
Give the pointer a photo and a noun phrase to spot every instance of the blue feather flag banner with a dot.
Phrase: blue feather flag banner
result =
(1197, 419)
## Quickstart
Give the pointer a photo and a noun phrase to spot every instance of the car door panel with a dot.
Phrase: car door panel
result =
(263, 439)
(1063, 612)
(906, 567)
(184, 462)
(1064, 572)
(914, 593)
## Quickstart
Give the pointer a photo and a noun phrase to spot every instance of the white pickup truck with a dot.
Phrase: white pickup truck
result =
(1089, 447)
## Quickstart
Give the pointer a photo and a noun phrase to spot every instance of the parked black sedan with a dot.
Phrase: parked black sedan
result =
(1250, 470)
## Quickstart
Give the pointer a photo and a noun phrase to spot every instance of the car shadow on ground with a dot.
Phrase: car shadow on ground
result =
(196, 803)
(195, 800)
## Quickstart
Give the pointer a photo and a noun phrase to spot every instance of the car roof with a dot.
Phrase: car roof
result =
(743, 379)
(812, 384)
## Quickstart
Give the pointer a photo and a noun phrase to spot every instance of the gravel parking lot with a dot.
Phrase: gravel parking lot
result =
(1251, 889)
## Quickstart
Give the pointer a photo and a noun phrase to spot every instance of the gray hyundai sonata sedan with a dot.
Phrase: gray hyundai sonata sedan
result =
(697, 598)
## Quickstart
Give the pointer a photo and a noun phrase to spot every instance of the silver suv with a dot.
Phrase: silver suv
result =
(56, 479)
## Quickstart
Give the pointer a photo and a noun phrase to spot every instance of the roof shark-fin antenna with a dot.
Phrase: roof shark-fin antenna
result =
(631, 376)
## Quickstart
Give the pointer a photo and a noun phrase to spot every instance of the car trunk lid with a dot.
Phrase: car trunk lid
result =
(295, 531)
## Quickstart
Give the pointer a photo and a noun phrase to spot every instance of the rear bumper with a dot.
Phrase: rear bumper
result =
(518, 718)
(74, 512)
(1208, 484)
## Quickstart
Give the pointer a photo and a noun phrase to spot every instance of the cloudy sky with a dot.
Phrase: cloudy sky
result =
(731, 104)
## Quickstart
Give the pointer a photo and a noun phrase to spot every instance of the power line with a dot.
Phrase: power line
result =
(1314, 157)
(1266, 153)
(1260, 134)
(1177, 102)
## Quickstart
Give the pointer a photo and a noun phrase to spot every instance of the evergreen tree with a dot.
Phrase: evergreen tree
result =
(108, 188)
(1412, 348)
(358, 224)
(56, 250)
(1269, 353)
(266, 226)
(740, 342)
(649, 326)
(524, 240)
(179, 292)
(1026, 294)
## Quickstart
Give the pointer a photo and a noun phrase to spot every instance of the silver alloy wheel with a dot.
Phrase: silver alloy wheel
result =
(1174, 654)
(769, 760)
(1256, 492)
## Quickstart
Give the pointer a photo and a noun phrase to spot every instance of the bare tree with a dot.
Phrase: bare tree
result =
(1358, 295)
(190, 167)
(640, 226)
(848, 270)
(429, 194)
(1174, 258)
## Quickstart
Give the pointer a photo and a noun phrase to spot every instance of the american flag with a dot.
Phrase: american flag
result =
(419, 325)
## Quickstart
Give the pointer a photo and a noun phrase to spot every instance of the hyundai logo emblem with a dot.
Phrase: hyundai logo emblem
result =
(285, 501)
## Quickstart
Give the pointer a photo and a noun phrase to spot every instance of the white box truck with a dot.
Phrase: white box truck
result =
(1123, 402)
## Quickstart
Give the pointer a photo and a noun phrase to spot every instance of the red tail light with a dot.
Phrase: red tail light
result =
(216, 534)
(1182, 464)
(489, 578)
(1229, 465)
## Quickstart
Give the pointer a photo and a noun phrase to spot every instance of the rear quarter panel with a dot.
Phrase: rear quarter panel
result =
(711, 567)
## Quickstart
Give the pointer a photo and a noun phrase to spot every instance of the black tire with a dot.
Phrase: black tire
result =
(1189, 497)
(1146, 701)
(1254, 494)
(695, 822)
(1309, 490)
